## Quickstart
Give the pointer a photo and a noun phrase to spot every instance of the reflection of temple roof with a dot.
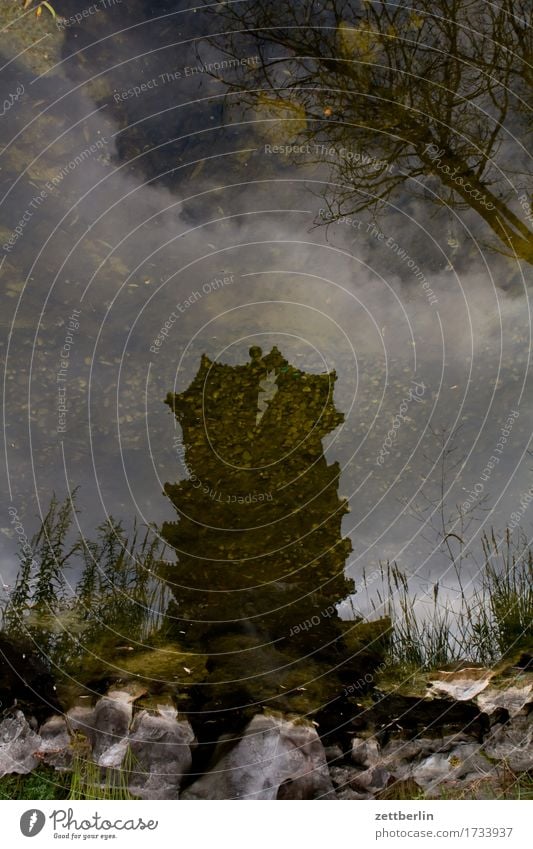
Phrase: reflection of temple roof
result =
(266, 402)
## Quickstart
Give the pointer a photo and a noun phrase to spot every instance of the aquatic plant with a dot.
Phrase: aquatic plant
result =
(491, 621)
(40, 588)
(117, 597)
(91, 781)
(502, 609)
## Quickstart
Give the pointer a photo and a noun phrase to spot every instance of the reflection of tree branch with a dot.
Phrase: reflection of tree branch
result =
(398, 79)
(520, 242)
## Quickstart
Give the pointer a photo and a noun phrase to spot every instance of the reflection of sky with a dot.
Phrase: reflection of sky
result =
(128, 247)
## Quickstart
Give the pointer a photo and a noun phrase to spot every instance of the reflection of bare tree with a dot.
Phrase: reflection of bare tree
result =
(434, 92)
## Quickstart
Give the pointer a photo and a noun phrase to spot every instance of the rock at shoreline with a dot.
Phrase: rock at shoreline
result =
(275, 758)
(512, 743)
(463, 763)
(430, 746)
(55, 749)
(80, 720)
(161, 746)
(365, 752)
(461, 685)
(371, 780)
(512, 699)
(18, 744)
(112, 719)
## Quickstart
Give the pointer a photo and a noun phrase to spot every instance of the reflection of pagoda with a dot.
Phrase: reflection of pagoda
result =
(260, 558)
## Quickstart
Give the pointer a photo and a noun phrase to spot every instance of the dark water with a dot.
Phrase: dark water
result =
(183, 185)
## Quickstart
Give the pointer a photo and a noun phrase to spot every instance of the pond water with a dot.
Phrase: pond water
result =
(180, 181)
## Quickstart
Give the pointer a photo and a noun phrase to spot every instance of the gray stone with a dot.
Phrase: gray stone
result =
(464, 762)
(512, 744)
(353, 783)
(106, 725)
(365, 752)
(113, 756)
(112, 718)
(372, 780)
(445, 743)
(18, 744)
(333, 753)
(342, 776)
(80, 720)
(512, 699)
(275, 758)
(461, 685)
(350, 793)
(55, 748)
(161, 746)
(398, 752)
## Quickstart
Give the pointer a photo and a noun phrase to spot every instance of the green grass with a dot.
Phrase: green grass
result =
(43, 783)
(86, 780)
(90, 781)
(508, 785)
